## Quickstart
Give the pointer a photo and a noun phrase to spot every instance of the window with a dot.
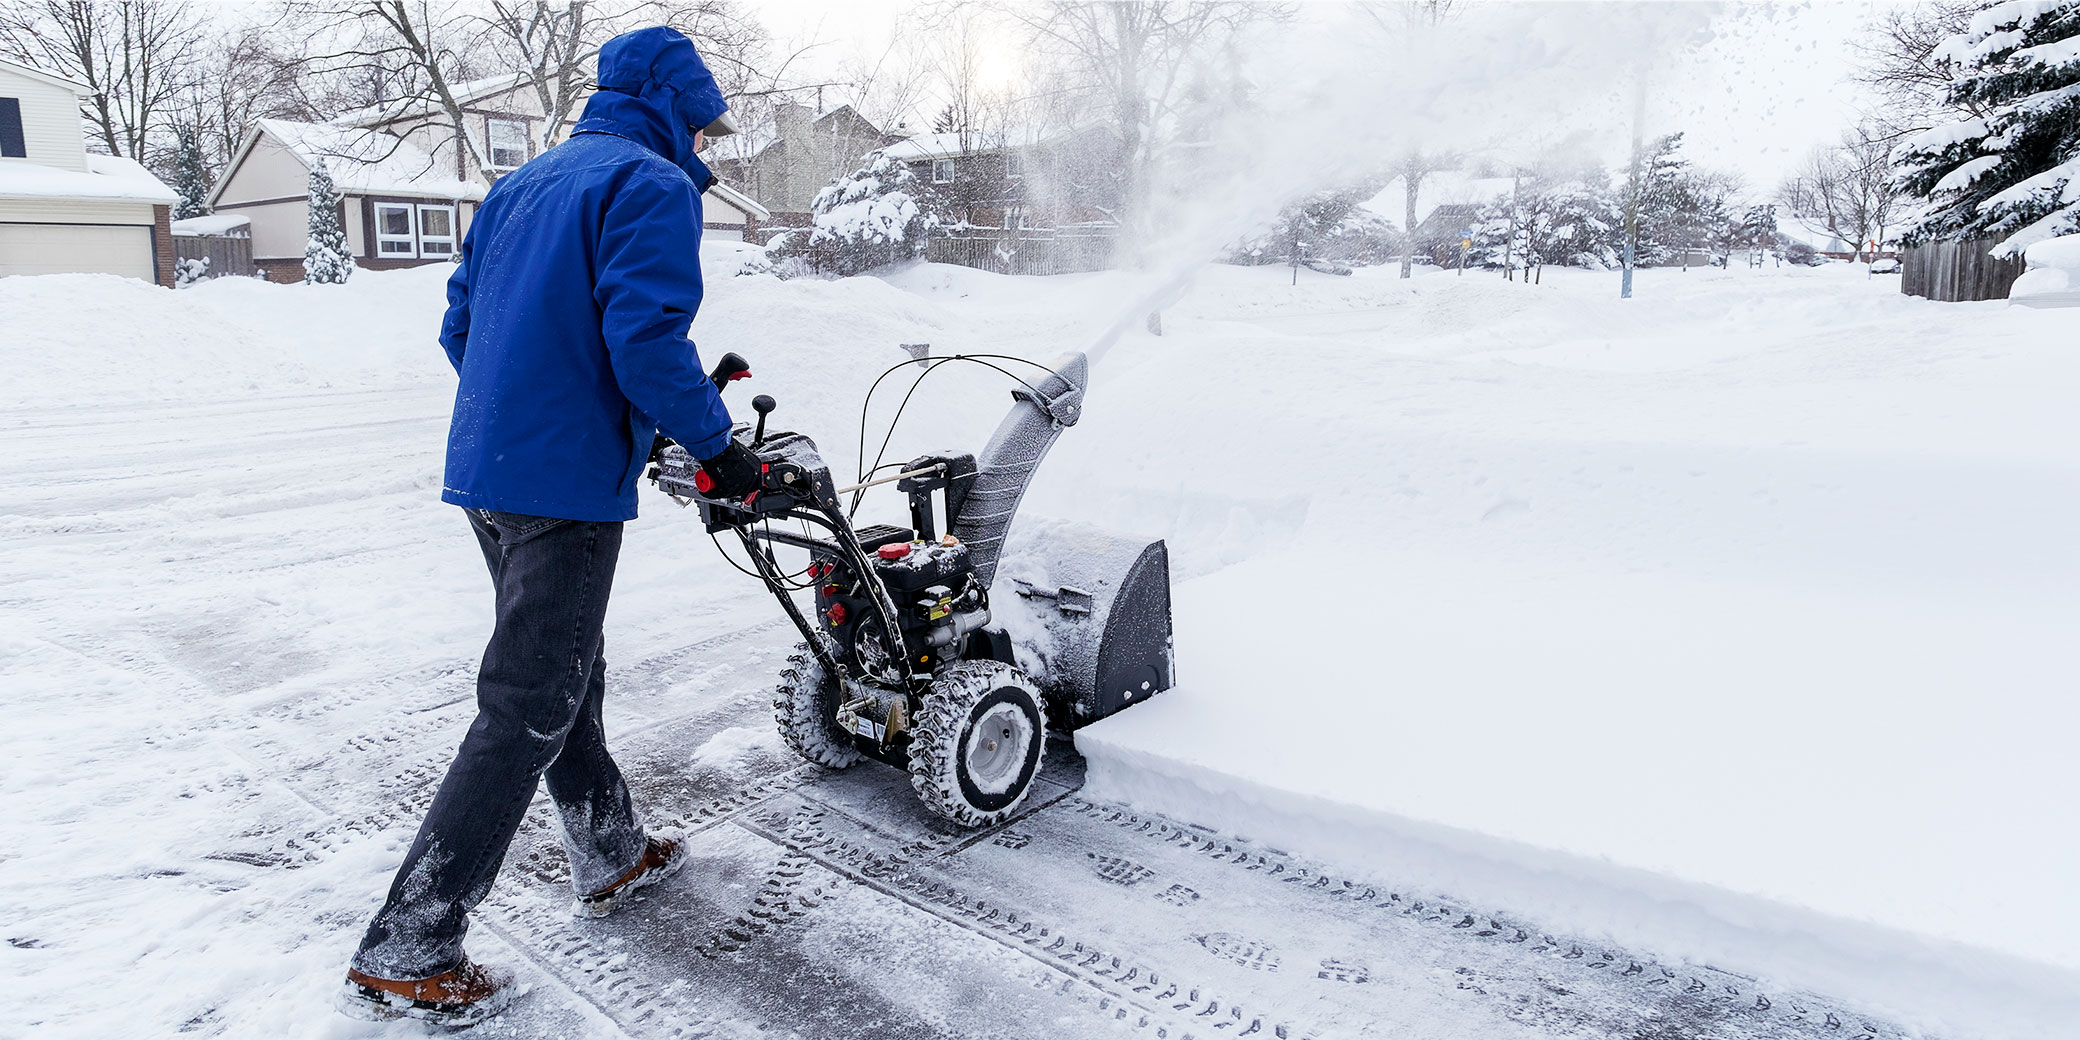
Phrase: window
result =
(394, 232)
(1014, 217)
(508, 140)
(942, 171)
(436, 231)
(1014, 165)
(11, 145)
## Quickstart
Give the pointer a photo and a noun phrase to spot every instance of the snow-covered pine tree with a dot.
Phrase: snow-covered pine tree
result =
(869, 218)
(326, 259)
(190, 178)
(2013, 172)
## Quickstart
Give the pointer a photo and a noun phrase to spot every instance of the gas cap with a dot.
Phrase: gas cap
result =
(894, 550)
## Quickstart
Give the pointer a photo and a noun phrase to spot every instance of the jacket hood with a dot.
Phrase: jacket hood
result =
(655, 90)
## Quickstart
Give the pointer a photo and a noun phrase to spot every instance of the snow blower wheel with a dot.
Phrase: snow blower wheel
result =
(976, 743)
(900, 661)
(805, 705)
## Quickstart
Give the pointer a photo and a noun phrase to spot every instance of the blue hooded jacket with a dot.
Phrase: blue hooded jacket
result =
(567, 317)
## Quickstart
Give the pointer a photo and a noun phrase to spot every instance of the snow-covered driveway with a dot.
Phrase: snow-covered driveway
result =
(240, 632)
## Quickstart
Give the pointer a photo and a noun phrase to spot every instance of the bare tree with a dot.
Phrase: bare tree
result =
(1846, 190)
(1132, 58)
(556, 45)
(1897, 58)
(133, 55)
(242, 73)
(405, 52)
(1414, 166)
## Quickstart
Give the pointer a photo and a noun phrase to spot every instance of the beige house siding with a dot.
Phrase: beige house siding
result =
(75, 211)
(50, 121)
(60, 248)
(268, 173)
(278, 227)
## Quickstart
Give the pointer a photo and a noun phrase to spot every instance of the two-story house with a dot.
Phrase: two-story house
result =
(1017, 179)
(62, 209)
(784, 165)
(408, 180)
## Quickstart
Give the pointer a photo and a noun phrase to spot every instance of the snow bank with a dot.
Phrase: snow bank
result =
(2053, 275)
(1728, 619)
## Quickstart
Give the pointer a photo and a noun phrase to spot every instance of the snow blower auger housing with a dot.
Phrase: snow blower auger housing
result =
(901, 660)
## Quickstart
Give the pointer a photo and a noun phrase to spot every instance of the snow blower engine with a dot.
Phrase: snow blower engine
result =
(903, 660)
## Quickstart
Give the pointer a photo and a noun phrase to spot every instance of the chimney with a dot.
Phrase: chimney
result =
(792, 121)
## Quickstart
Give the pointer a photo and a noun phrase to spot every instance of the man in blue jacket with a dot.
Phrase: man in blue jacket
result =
(567, 323)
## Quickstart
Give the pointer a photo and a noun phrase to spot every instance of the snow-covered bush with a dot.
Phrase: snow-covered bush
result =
(868, 219)
(2014, 170)
(1328, 225)
(189, 270)
(326, 258)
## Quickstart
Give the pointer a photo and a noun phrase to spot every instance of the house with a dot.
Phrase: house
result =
(409, 176)
(784, 165)
(1018, 179)
(63, 210)
(400, 206)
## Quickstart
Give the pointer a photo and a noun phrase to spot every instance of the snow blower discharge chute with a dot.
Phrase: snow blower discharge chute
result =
(901, 661)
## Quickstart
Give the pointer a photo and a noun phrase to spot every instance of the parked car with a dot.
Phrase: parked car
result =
(1889, 265)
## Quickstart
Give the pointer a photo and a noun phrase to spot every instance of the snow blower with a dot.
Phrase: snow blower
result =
(902, 660)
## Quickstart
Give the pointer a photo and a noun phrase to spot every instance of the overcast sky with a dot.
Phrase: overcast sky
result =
(1769, 86)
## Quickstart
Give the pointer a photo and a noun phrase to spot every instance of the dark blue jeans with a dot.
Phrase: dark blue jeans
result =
(538, 715)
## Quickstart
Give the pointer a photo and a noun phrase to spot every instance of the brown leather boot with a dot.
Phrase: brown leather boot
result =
(662, 857)
(462, 996)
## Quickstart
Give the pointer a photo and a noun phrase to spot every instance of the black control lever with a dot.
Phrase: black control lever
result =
(764, 406)
(732, 367)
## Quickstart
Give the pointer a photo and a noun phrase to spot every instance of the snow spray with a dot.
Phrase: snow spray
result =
(1346, 90)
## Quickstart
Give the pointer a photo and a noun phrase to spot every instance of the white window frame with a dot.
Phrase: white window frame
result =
(942, 164)
(1014, 165)
(448, 240)
(491, 147)
(410, 238)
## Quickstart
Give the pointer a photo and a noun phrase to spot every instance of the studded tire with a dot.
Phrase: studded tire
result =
(805, 705)
(976, 742)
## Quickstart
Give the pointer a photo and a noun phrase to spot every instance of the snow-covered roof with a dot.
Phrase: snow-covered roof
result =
(948, 145)
(426, 105)
(366, 161)
(1438, 189)
(741, 202)
(54, 78)
(107, 177)
(216, 225)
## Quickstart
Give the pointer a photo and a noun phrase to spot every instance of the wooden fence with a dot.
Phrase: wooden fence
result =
(1953, 272)
(1022, 252)
(226, 255)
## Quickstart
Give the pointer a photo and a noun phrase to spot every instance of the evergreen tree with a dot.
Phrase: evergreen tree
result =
(326, 259)
(2013, 172)
(869, 218)
(1756, 232)
(190, 178)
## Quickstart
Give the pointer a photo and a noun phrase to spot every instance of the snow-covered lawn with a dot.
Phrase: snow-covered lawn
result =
(1733, 619)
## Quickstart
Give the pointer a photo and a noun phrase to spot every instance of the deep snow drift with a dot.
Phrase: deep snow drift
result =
(1718, 619)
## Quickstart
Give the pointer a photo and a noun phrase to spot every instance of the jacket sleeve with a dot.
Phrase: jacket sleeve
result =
(648, 287)
(455, 326)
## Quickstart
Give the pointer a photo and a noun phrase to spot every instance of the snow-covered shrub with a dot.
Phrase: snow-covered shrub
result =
(189, 270)
(326, 258)
(1327, 225)
(868, 219)
(2014, 170)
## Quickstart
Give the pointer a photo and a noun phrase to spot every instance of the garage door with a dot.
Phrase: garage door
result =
(60, 248)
